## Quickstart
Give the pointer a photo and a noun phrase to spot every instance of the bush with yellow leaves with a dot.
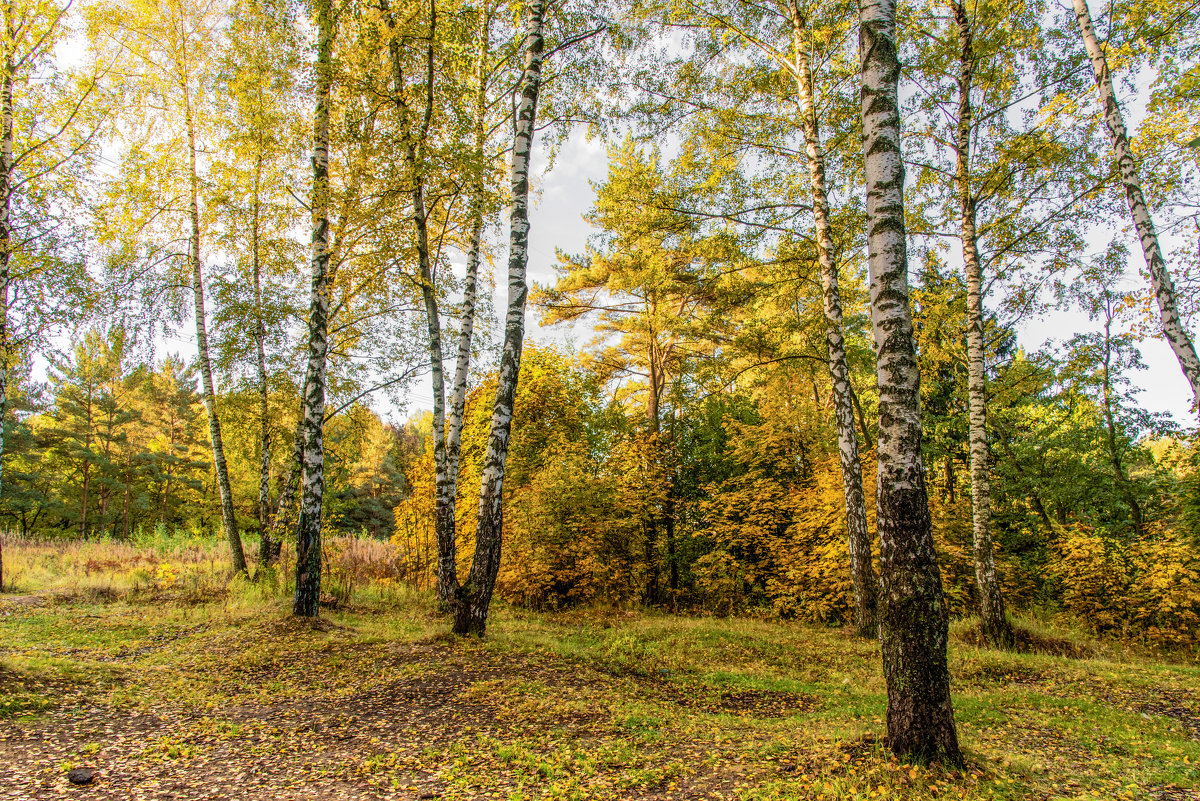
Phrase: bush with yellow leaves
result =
(1147, 588)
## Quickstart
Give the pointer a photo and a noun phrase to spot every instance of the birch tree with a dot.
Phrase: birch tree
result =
(427, 132)
(312, 416)
(474, 596)
(913, 620)
(1160, 277)
(48, 131)
(166, 52)
(260, 139)
(861, 572)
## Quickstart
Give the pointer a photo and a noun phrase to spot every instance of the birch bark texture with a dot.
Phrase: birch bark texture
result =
(913, 621)
(458, 398)
(228, 517)
(6, 237)
(445, 486)
(475, 594)
(1160, 278)
(862, 574)
(991, 601)
(307, 599)
(267, 550)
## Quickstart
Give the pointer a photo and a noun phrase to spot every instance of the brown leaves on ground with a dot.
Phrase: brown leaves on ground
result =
(178, 703)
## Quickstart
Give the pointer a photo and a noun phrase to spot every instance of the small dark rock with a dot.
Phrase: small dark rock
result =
(81, 775)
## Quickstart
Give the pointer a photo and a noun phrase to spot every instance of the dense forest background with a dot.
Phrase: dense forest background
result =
(686, 455)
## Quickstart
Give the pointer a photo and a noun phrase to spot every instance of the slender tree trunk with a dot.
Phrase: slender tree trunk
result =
(206, 376)
(652, 560)
(86, 469)
(1110, 426)
(266, 548)
(6, 164)
(991, 602)
(287, 512)
(475, 595)
(447, 569)
(913, 622)
(862, 575)
(1160, 279)
(125, 507)
(445, 487)
(307, 600)
(162, 515)
(862, 419)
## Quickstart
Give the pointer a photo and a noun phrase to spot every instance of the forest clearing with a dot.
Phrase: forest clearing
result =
(615, 399)
(179, 687)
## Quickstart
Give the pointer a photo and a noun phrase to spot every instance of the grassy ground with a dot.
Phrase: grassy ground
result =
(173, 687)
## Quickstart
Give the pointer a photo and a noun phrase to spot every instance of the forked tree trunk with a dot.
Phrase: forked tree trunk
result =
(862, 575)
(447, 548)
(991, 602)
(228, 519)
(475, 595)
(6, 165)
(266, 548)
(913, 623)
(1160, 278)
(445, 480)
(307, 599)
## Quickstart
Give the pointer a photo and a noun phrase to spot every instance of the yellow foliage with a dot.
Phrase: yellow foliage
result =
(1149, 587)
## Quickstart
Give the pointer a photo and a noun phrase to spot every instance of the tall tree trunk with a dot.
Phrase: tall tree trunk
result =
(6, 165)
(991, 602)
(266, 549)
(913, 623)
(447, 554)
(1160, 278)
(445, 483)
(475, 595)
(206, 377)
(1110, 425)
(83, 497)
(652, 560)
(125, 508)
(307, 599)
(861, 573)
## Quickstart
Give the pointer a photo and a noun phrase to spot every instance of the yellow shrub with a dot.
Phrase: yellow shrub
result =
(1093, 577)
(1164, 594)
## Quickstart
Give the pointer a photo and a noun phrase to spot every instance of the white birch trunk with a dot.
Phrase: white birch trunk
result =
(475, 595)
(991, 602)
(913, 622)
(206, 377)
(308, 537)
(458, 397)
(266, 548)
(1160, 279)
(445, 482)
(861, 573)
(6, 166)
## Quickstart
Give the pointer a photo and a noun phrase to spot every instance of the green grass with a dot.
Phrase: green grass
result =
(581, 705)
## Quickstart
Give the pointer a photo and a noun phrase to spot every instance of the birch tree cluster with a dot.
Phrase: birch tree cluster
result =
(240, 240)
